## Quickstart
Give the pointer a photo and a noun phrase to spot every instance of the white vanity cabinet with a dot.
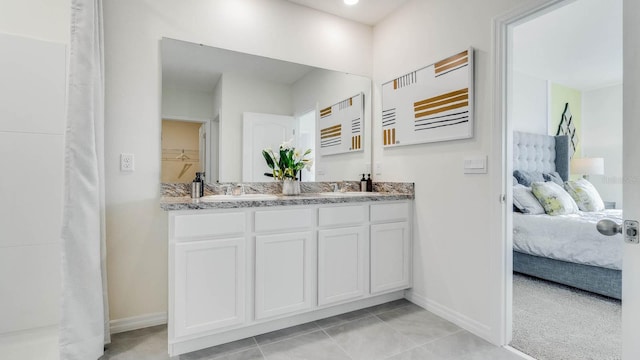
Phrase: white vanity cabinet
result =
(239, 272)
(284, 265)
(207, 271)
(342, 253)
(390, 247)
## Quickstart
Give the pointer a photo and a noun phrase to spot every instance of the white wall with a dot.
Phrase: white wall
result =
(32, 119)
(454, 252)
(178, 102)
(39, 19)
(322, 88)
(136, 227)
(242, 94)
(602, 137)
(529, 107)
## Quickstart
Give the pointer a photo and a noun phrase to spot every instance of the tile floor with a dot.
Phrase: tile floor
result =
(398, 330)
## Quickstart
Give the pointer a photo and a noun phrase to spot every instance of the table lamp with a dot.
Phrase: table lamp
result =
(587, 166)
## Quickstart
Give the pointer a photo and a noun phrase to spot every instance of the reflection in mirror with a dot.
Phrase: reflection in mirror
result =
(242, 103)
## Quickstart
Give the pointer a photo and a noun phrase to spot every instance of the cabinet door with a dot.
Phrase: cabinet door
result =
(284, 278)
(209, 285)
(390, 259)
(341, 264)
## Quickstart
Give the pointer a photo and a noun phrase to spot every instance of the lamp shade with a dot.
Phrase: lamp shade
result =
(587, 166)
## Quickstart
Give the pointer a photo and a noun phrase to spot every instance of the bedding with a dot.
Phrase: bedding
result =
(553, 198)
(572, 238)
(585, 195)
(525, 201)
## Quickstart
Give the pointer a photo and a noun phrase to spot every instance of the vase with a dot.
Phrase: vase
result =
(290, 187)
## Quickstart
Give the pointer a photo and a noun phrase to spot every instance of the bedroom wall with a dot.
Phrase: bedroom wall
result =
(34, 36)
(559, 95)
(529, 103)
(454, 250)
(136, 227)
(601, 132)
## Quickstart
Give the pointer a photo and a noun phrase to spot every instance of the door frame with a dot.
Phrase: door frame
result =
(502, 156)
(207, 123)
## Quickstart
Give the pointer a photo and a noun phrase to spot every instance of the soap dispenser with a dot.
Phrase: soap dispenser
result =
(369, 183)
(196, 187)
(363, 184)
(201, 183)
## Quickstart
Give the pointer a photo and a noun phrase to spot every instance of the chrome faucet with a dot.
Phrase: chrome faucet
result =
(238, 190)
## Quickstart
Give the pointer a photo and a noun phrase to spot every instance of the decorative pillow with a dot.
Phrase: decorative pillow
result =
(525, 201)
(515, 181)
(553, 176)
(527, 177)
(585, 195)
(554, 199)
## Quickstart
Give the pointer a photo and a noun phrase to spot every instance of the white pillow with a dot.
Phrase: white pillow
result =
(553, 198)
(525, 201)
(585, 195)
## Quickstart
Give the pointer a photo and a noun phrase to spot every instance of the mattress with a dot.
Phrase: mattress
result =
(571, 238)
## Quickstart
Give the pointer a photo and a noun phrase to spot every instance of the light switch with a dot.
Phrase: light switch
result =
(475, 165)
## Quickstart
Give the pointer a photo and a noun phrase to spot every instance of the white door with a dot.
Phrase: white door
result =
(203, 146)
(284, 278)
(261, 131)
(631, 183)
(341, 264)
(209, 285)
(389, 257)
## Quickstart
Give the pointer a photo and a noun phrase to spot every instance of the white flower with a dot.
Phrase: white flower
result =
(287, 145)
(308, 163)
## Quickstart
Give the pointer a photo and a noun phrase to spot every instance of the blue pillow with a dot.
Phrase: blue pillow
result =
(553, 176)
(527, 177)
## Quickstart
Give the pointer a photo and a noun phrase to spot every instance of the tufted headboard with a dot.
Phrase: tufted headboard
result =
(542, 153)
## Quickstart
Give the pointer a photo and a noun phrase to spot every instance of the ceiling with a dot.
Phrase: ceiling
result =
(368, 12)
(578, 45)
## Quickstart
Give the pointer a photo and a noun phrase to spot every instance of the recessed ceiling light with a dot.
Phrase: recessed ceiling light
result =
(351, 2)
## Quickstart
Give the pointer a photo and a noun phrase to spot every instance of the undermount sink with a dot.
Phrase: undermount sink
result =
(348, 193)
(243, 197)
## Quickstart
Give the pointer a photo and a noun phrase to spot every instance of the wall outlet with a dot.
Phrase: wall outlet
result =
(127, 162)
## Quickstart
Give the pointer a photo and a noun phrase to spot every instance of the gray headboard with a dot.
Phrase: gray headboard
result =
(542, 153)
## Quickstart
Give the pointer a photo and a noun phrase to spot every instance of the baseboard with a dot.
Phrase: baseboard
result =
(519, 353)
(455, 317)
(137, 322)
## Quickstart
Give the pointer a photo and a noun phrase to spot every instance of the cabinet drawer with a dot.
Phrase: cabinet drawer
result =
(284, 219)
(390, 212)
(194, 225)
(342, 215)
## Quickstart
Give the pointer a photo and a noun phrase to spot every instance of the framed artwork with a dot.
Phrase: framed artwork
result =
(431, 104)
(566, 127)
(342, 126)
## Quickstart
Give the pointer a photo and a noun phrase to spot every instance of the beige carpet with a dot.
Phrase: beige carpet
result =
(556, 322)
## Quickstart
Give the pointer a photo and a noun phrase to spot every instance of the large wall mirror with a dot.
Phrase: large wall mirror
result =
(220, 108)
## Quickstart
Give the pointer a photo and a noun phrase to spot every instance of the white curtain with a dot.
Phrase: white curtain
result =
(84, 309)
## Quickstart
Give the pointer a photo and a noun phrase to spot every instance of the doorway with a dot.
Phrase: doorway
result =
(185, 145)
(507, 72)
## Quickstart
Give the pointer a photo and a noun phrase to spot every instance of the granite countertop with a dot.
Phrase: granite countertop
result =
(176, 196)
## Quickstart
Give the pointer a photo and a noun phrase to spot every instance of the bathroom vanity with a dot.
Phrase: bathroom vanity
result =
(242, 267)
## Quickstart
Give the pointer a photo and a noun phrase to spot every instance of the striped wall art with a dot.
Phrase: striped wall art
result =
(342, 126)
(431, 104)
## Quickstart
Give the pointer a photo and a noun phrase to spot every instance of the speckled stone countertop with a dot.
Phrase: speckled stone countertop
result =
(176, 196)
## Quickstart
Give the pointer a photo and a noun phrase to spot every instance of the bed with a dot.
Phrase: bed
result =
(566, 249)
